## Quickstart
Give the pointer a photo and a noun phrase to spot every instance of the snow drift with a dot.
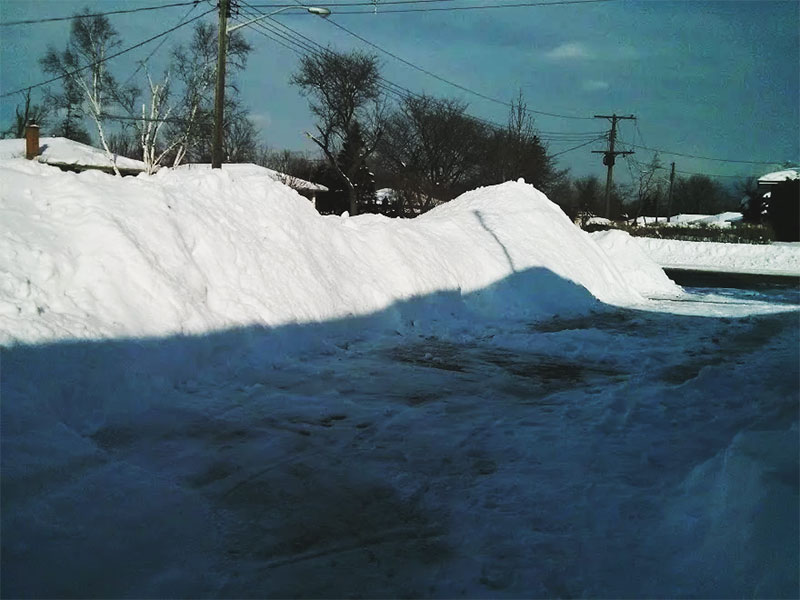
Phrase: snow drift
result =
(639, 270)
(92, 256)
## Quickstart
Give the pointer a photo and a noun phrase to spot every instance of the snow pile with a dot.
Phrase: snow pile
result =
(61, 151)
(772, 259)
(90, 255)
(638, 269)
(245, 169)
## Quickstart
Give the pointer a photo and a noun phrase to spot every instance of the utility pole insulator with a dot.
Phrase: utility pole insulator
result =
(610, 155)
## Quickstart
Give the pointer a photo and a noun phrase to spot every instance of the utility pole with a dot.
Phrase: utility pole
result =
(219, 97)
(669, 196)
(609, 156)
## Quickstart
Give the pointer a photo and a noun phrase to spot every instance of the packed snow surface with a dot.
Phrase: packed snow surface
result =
(89, 255)
(771, 259)
(59, 150)
(209, 390)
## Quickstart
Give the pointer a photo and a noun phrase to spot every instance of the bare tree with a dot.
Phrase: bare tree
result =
(82, 64)
(152, 123)
(343, 95)
(433, 150)
(194, 66)
(69, 102)
(517, 152)
(28, 113)
(649, 188)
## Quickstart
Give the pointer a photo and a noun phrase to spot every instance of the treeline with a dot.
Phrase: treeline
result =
(167, 121)
(584, 197)
(425, 150)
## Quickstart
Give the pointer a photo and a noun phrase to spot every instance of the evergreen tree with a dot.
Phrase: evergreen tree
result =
(352, 162)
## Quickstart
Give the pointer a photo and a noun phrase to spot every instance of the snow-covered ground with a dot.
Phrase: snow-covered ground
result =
(210, 390)
(773, 259)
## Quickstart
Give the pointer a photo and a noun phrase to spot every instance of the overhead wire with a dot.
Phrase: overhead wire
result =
(161, 43)
(102, 14)
(106, 58)
(481, 7)
(368, 3)
(442, 79)
(425, 71)
(725, 160)
(393, 91)
(577, 147)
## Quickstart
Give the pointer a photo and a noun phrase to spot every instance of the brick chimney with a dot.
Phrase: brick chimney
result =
(31, 140)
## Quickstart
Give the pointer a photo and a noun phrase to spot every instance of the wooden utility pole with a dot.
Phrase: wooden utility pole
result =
(609, 156)
(669, 195)
(219, 98)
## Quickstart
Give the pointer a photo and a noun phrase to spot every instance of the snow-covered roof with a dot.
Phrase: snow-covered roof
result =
(250, 169)
(779, 176)
(60, 151)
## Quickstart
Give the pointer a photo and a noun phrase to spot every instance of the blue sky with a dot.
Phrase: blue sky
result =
(713, 79)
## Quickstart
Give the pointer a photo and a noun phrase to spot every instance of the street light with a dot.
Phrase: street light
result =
(219, 97)
(314, 10)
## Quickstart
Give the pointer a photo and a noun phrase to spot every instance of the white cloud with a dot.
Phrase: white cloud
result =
(570, 50)
(261, 120)
(582, 51)
(593, 85)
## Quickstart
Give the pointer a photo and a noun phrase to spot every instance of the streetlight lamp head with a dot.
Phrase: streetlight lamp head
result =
(318, 10)
(314, 10)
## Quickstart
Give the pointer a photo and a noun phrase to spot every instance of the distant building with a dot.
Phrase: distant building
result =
(780, 202)
(771, 179)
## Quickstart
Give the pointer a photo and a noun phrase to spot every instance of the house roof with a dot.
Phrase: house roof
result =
(779, 176)
(59, 151)
(250, 169)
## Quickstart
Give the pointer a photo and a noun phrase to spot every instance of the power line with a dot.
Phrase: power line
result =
(338, 4)
(395, 91)
(726, 160)
(161, 43)
(707, 174)
(104, 14)
(597, 139)
(442, 79)
(107, 58)
(146, 119)
(481, 7)
(262, 29)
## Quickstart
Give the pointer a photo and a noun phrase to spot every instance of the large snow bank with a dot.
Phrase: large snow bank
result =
(61, 151)
(90, 255)
(772, 259)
